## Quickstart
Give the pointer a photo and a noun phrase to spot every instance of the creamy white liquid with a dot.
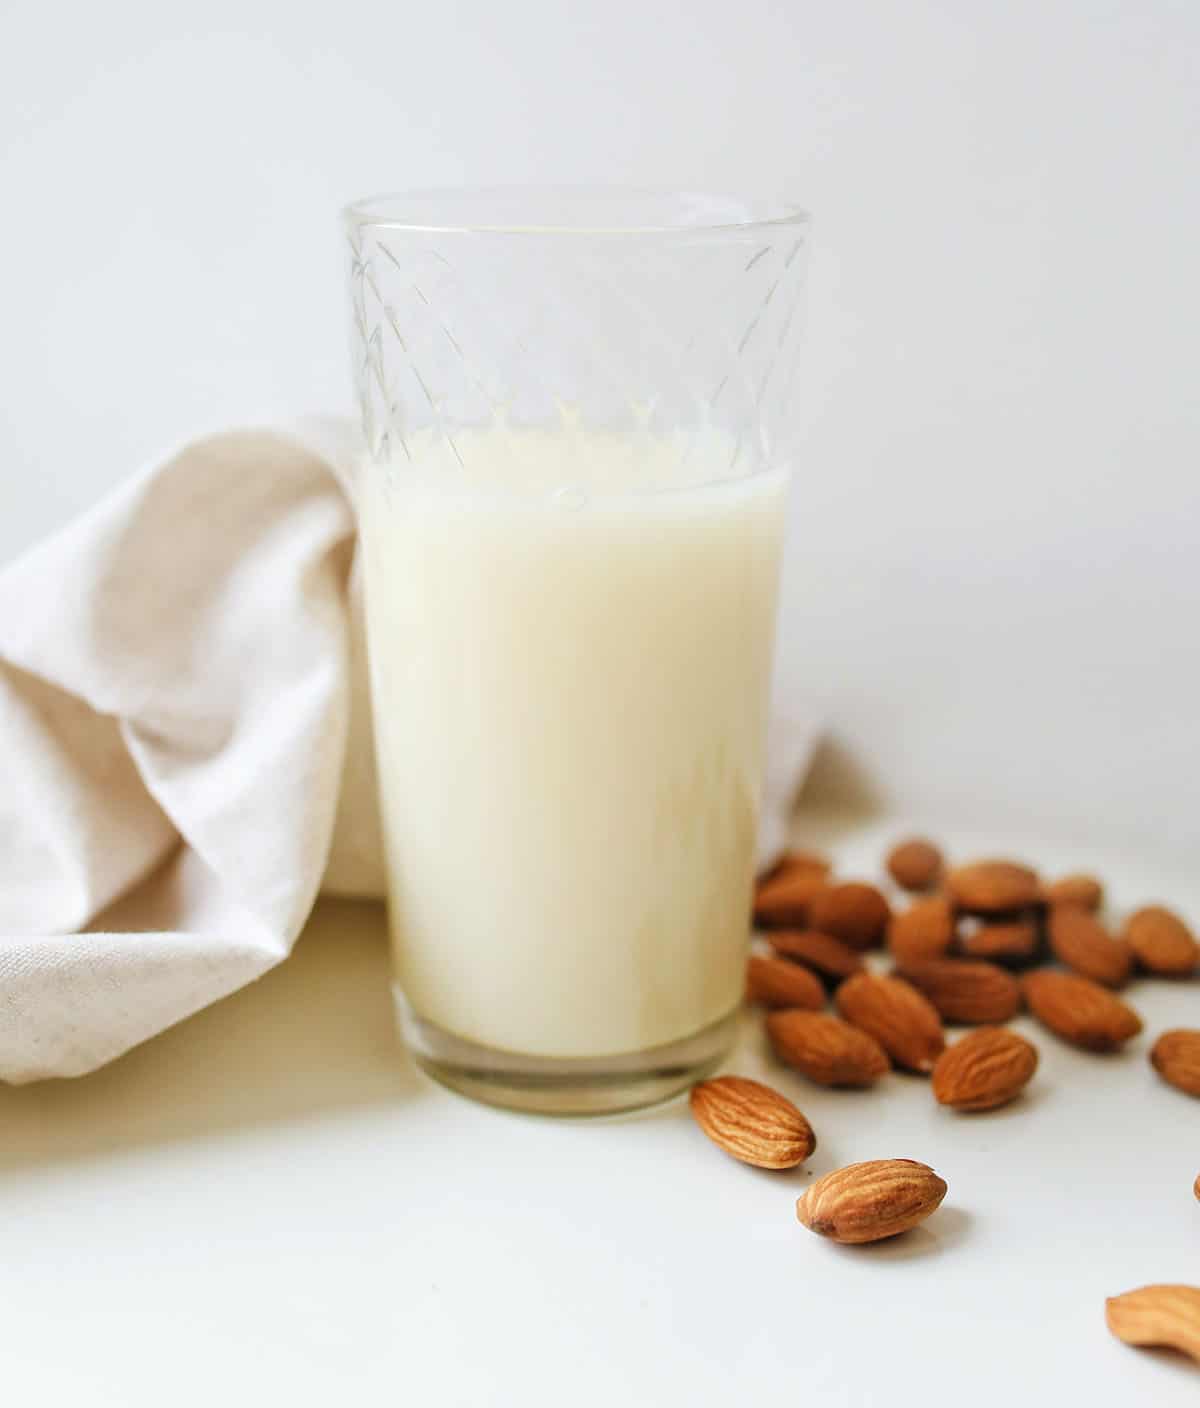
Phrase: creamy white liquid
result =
(571, 643)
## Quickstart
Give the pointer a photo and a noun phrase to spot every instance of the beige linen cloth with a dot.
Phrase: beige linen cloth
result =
(185, 743)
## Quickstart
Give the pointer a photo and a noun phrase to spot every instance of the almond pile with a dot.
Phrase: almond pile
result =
(969, 945)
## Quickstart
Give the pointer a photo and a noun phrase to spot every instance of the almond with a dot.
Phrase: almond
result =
(752, 1122)
(965, 991)
(1176, 1057)
(1081, 942)
(826, 1049)
(1156, 1315)
(829, 957)
(777, 983)
(924, 930)
(915, 864)
(901, 1019)
(986, 1068)
(1015, 942)
(993, 887)
(869, 1201)
(792, 862)
(1083, 890)
(1079, 1010)
(783, 902)
(853, 912)
(1162, 942)
(1196, 1188)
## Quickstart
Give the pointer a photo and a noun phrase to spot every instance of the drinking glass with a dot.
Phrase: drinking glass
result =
(575, 411)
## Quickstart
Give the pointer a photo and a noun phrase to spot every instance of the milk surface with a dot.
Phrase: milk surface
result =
(571, 640)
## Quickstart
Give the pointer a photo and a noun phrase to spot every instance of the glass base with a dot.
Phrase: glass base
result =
(596, 1085)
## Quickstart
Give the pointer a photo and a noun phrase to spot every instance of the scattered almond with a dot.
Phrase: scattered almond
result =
(993, 887)
(1081, 942)
(827, 956)
(793, 862)
(1083, 890)
(1156, 1315)
(869, 1201)
(1176, 1057)
(902, 1020)
(986, 1068)
(777, 983)
(924, 930)
(1014, 942)
(964, 990)
(1162, 942)
(783, 901)
(1079, 1010)
(915, 864)
(1196, 1188)
(828, 1050)
(752, 1122)
(853, 912)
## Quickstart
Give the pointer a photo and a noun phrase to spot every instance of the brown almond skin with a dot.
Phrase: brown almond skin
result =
(1014, 942)
(774, 982)
(902, 1020)
(1196, 1188)
(915, 864)
(1176, 1057)
(993, 887)
(869, 1201)
(1079, 1010)
(924, 930)
(795, 862)
(1163, 1315)
(828, 1050)
(752, 1122)
(965, 991)
(784, 901)
(853, 912)
(1082, 890)
(984, 1069)
(1161, 942)
(1080, 942)
(829, 957)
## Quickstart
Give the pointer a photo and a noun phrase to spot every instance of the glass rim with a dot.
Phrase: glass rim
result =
(741, 215)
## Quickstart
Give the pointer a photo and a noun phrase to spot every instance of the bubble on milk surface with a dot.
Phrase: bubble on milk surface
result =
(570, 496)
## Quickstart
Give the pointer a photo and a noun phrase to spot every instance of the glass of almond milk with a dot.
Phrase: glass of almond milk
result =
(574, 404)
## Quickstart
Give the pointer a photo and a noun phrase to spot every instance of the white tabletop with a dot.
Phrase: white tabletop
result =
(269, 1203)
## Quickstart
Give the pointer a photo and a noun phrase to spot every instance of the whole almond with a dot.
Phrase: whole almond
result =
(793, 862)
(1162, 942)
(1196, 1188)
(915, 864)
(924, 930)
(1168, 1316)
(1079, 1010)
(828, 1050)
(1014, 942)
(902, 1020)
(993, 887)
(752, 1122)
(783, 902)
(986, 1068)
(1083, 890)
(1176, 1057)
(1081, 942)
(964, 990)
(869, 1201)
(829, 957)
(853, 912)
(775, 982)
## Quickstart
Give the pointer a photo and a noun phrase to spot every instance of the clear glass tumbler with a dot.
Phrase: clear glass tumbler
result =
(572, 512)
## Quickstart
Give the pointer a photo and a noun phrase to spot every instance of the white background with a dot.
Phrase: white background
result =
(994, 585)
(993, 596)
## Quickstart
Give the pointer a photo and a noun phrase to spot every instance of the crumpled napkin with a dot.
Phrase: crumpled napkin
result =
(185, 743)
